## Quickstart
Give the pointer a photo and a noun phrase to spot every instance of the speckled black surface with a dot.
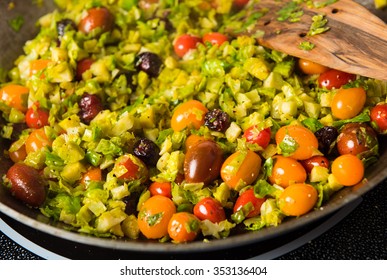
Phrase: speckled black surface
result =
(362, 235)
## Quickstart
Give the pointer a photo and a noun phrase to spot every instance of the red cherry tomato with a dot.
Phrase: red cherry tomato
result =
(246, 197)
(82, 66)
(379, 117)
(160, 188)
(93, 174)
(134, 167)
(184, 43)
(335, 79)
(96, 17)
(255, 136)
(309, 163)
(240, 3)
(36, 117)
(209, 209)
(215, 38)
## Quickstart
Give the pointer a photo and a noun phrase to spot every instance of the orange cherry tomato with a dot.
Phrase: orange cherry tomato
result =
(287, 171)
(37, 66)
(296, 141)
(297, 199)
(215, 38)
(37, 117)
(154, 216)
(183, 227)
(347, 103)
(188, 115)
(246, 197)
(37, 140)
(348, 169)
(15, 96)
(135, 168)
(241, 169)
(192, 140)
(184, 43)
(210, 209)
(310, 68)
(19, 155)
(93, 174)
(99, 17)
(161, 188)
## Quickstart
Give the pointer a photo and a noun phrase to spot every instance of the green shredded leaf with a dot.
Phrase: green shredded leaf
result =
(16, 23)
(318, 26)
(306, 46)
(291, 12)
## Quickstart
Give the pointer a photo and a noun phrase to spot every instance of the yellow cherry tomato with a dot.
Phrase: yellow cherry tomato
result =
(297, 142)
(347, 103)
(241, 169)
(310, 68)
(154, 216)
(37, 140)
(183, 227)
(348, 169)
(37, 66)
(15, 96)
(287, 171)
(297, 199)
(188, 115)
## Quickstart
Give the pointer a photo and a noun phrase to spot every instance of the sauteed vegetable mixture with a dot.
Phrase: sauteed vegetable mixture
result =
(147, 119)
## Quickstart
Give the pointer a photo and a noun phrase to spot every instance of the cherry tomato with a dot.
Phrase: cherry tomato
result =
(246, 197)
(184, 43)
(192, 140)
(310, 68)
(183, 227)
(188, 115)
(99, 17)
(255, 136)
(215, 38)
(37, 140)
(133, 168)
(296, 141)
(378, 115)
(287, 171)
(348, 169)
(297, 199)
(202, 162)
(347, 103)
(37, 66)
(309, 163)
(154, 216)
(335, 79)
(209, 209)
(161, 188)
(36, 117)
(19, 155)
(241, 169)
(93, 174)
(15, 96)
(82, 66)
(240, 3)
(356, 138)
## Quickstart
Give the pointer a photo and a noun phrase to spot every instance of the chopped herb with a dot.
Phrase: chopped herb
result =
(322, 4)
(291, 12)
(306, 46)
(318, 25)
(288, 145)
(154, 219)
(16, 23)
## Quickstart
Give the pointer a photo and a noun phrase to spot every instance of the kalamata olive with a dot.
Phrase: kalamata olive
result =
(202, 162)
(99, 17)
(147, 151)
(63, 25)
(82, 66)
(150, 63)
(357, 138)
(217, 120)
(326, 137)
(27, 184)
(309, 163)
(90, 105)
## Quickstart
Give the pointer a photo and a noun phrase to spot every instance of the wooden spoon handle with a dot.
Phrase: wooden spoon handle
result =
(356, 42)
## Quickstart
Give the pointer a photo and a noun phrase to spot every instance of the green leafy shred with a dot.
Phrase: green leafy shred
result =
(291, 12)
(306, 46)
(16, 23)
(318, 26)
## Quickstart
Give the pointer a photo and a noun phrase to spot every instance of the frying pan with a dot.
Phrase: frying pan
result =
(11, 46)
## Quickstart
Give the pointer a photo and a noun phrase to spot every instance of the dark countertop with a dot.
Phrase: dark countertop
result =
(361, 235)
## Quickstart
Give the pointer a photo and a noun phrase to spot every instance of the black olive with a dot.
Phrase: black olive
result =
(150, 63)
(63, 25)
(147, 151)
(90, 105)
(326, 137)
(217, 120)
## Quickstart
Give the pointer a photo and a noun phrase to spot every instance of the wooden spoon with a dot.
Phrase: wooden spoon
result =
(355, 43)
